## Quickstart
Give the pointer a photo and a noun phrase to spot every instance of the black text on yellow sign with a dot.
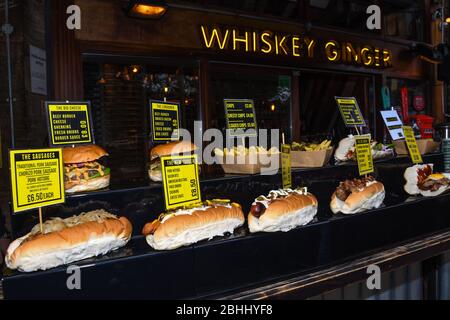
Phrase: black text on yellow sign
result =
(181, 181)
(364, 154)
(37, 178)
(240, 115)
(411, 142)
(350, 111)
(165, 120)
(286, 166)
(69, 123)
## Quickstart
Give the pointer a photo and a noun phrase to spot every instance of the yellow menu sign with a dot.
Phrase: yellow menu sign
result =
(350, 111)
(411, 142)
(364, 154)
(180, 180)
(69, 123)
(165, 120)
(240, 115)
(37, 178)
(286, 166)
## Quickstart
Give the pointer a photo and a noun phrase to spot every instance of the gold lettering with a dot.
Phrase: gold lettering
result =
(281, 44)
(216, 35)
(311, 43)
(366, 56)
(332, 50)
(267, 42)
(377, 57)
(236, 40)
(387, 58)
(351, 55)
(295, 46)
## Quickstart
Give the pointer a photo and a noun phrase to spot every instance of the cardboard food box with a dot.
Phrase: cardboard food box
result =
(425, 146)
(311, 159)
(248, 164)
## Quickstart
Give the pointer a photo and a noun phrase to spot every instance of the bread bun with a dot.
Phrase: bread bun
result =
(412, 179)
(185, 227)
(368, 198)
(155, 175)
(87, 185)
(82, 154)
(68, 240)
(175, 147)
(285, 214)
(345, 145)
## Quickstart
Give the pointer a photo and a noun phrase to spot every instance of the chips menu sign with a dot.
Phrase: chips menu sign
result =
(37, 178)
(240, 115)
(364, 154)
(286, 166)
(181, 181)
(165, 120)
(350, 111)
(411, 142)
(69, 123)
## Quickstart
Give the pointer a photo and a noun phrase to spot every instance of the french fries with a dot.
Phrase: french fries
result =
(303, 146)
(241, 150)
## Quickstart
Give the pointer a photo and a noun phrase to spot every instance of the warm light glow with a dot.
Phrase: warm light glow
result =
(148, 10)
(447, 20)
(186, 101)
(166, 89)
(272, 107)
(135, 70)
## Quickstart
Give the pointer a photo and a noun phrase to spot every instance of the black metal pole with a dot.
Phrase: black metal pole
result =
(7, 30)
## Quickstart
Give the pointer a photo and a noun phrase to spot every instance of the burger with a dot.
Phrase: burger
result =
(420, 179)
(282, 210)
(346, 150)
(168, 149)
(82, 171)
(187, 226)
(357, 195)
(64, 241)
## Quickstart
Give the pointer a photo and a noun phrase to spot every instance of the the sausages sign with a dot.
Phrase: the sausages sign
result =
(36, 178)
(180, 181)
(69, 123)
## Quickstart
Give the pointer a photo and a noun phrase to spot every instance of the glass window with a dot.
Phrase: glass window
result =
(269, 89)
(319, 114)
(418, 95)
(120, 90)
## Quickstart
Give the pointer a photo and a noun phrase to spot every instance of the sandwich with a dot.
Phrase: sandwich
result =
(168, 149)
(357, 195)
(64, 241)
(420, 179)
(82, 171)
(187, 226)
(346, 150)
(282, 210)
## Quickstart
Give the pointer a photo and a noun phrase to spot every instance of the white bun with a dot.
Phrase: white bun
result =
(371, 197)
(155, 175)
(199, 224)
(68, 240)
(344, 146)
(285, 214)
(90, 185)
(411, 177)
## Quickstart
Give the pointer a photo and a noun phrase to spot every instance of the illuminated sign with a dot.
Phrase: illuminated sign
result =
(293, 45)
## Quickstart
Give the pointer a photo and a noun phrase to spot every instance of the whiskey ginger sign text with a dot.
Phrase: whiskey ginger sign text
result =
(294, 46)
